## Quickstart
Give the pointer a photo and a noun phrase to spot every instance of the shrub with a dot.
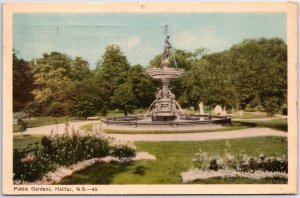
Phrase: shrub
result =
(203, 161)
(20, 115)
(123, 150)
(240, 162)
(34, 161)
(22, 125)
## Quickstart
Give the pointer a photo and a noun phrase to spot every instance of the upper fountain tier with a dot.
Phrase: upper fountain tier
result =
(165, 72)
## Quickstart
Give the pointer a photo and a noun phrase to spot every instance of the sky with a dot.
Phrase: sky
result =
(140, 35)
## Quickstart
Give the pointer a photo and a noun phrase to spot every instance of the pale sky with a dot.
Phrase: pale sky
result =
(140, 35)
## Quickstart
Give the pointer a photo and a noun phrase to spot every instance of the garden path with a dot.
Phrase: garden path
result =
(243, 133)
(60, 128)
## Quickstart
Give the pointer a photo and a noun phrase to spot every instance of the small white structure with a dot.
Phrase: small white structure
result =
(218, 110)
(201, 108)
(241, 112)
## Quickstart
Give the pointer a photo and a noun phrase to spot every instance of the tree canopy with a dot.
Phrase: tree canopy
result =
(22, 83)
(249, 75)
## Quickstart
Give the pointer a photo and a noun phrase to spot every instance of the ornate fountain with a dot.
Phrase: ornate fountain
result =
(165, 107)
(165, 110)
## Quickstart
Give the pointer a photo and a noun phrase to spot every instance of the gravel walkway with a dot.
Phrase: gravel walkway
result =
(250, 132)
(60, 128)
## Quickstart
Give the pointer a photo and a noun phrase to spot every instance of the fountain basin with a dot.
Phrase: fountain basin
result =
(145, 121)
(165, 73)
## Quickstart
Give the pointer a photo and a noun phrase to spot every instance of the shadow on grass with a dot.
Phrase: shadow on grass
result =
(99, 173)
(279, 124)
(140, 170)
(246, 124)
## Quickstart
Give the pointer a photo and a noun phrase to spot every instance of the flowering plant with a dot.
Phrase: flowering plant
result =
(240, 162)
(54, 151)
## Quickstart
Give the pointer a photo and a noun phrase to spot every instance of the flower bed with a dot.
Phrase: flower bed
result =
(195, 174)
(53, 152)
(238, 165)
(61, 172)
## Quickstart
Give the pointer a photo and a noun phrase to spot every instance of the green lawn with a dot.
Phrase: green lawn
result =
(87, 127)
(172, 159)
(250, 116)
(233, 126)
(22, 141)
(277, 124)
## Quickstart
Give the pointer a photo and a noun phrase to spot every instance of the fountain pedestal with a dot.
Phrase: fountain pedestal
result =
(165, 107)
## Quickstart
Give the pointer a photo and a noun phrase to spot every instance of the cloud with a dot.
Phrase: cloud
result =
(190, 40)
(133, 41)
(129, 42)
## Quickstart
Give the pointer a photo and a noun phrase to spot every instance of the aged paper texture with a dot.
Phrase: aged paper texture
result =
(75, 74)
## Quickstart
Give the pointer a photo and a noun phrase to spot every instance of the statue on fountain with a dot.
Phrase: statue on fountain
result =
(165, 106)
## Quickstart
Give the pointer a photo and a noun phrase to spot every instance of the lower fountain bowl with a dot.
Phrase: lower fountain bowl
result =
(139, 121)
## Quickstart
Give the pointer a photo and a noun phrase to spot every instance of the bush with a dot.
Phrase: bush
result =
(20, 115)
(34, 108)
(34, 161)
(285, 111)
(22, 125)
(123, 151)
(272, 105)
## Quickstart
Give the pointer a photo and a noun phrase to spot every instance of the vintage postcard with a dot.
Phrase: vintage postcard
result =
(149, 98)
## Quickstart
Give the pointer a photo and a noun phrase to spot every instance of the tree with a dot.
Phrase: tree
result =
(52, 80)
(22, 83)
(111, 71)
(122, 98)
(80, 69)
(86, 101)
(260, 67)
(143, 87)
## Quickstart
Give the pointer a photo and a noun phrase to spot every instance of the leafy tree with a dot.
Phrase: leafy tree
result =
(143, 87)
(252, 73)
(22, 83)
(80, 69)
(260, 70)
(123, 97)
(52, 80)
(86, 101)
(111, 71)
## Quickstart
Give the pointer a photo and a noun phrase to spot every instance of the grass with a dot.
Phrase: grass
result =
(43, 121)
(174, 158)
(20, 142)
(87, 127)
(277, 124)
(233, 126)
(250, 116)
